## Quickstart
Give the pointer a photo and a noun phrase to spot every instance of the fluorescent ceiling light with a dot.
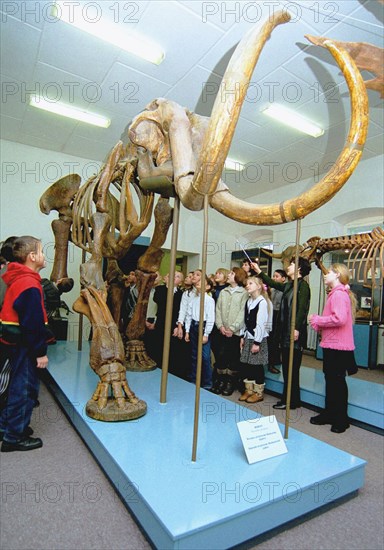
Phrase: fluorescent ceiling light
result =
(68, 111)
(292, 119)
(231, 164)
(109, 31)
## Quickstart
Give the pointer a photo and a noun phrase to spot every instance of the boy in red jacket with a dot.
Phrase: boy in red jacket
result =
(24, 336)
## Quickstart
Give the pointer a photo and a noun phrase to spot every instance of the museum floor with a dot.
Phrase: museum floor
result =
(59, 498)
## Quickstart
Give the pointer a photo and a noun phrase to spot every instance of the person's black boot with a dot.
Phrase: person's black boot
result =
(229, 386)
(320, 420)
(218, 385)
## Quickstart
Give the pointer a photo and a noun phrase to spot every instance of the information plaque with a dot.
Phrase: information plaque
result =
(261, 438)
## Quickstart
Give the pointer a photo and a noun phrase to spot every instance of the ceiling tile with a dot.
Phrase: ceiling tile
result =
(185, 41)
(10, 128)
(76, 52)
(18, 41)
(57, 85)
(13, 97)
(321, 17)
(222, 14)
(31, 13)
(126, 91)
(375, 144)
(197, 91)
(360, 23)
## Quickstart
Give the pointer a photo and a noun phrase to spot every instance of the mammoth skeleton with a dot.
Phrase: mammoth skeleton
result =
(172, 151)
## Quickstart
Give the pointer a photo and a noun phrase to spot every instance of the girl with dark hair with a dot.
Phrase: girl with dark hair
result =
(300, 332)
(247, 266)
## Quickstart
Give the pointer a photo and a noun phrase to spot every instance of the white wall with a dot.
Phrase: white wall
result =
(28, 171)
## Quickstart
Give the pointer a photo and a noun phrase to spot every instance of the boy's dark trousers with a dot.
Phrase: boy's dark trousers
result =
(22, 395)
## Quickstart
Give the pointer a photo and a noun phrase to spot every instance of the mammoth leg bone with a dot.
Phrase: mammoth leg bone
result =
(61, 230)
(59, 197)
(91, 271)
(106, 359)
(136, 355)
(114, 280)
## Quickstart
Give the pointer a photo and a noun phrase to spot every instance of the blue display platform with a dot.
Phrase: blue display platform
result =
(365, 399)
(219, 500)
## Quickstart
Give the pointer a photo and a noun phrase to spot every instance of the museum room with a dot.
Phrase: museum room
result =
(229, 146)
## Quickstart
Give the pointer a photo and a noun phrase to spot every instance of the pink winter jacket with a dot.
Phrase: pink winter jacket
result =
(336, 323)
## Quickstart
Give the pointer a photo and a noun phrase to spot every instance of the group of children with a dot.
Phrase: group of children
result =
(240, 320)
(237, 317)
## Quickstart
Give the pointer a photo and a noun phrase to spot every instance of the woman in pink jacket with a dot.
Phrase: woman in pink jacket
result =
(336, 328)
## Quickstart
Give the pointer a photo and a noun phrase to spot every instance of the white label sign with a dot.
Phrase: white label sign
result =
(261, 438)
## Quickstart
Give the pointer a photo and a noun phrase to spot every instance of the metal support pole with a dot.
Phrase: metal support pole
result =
(81, 316)
(200, 332)
(169, 305)
(292, 335)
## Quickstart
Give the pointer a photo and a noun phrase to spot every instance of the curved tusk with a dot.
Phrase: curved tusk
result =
(225, 114)
(332, 182)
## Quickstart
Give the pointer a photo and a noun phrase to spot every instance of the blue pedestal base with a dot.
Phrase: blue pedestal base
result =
(219, 500)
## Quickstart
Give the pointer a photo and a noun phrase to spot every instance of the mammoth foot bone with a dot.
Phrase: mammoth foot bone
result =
(137, 358)
(122, 404)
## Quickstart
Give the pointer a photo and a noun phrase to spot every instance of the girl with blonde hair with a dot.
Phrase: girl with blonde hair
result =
(254, 348)
(336, 328)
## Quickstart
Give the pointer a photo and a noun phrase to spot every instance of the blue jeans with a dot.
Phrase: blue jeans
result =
(22, 395)
(206, 370)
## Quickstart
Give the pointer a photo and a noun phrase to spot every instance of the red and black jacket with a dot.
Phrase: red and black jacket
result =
(23, 317)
